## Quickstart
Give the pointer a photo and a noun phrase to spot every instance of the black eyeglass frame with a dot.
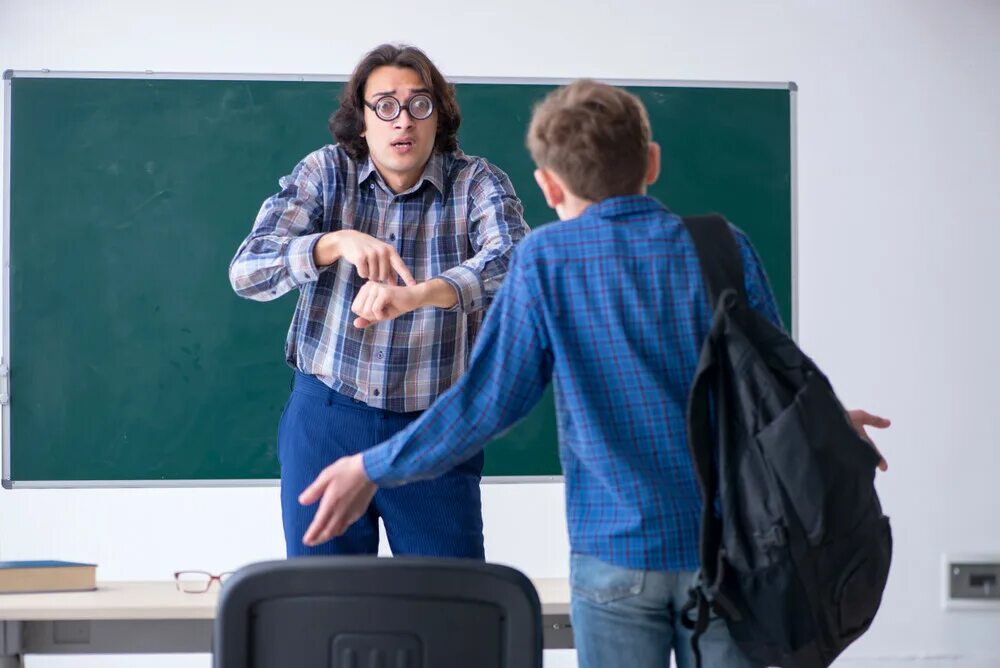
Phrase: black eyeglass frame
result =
(400, 106)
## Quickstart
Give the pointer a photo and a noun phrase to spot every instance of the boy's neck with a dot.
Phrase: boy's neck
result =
(573, 206)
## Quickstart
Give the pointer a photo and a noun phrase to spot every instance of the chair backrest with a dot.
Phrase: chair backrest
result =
(356, 612)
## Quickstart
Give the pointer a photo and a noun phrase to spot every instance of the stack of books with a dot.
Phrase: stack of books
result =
(18, 577)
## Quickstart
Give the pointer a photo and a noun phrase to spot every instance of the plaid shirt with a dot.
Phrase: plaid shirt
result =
(459, 223)
(612, 306)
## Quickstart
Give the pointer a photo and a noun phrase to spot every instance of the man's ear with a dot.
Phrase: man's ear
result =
(551, 190)
(653, 164)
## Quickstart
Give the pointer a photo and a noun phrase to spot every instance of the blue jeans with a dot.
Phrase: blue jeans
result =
(437, 518)
(629, 618)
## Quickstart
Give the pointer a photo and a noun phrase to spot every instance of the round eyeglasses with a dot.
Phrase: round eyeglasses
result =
(388, 108)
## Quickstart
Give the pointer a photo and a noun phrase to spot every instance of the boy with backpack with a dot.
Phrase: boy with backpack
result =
(610, 304)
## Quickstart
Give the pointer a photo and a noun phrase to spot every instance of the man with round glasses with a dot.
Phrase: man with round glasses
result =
(396, 241)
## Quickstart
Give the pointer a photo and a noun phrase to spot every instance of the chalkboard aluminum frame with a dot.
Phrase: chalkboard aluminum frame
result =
(10, 75)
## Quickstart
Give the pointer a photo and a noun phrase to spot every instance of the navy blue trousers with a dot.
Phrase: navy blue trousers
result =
(441, 517)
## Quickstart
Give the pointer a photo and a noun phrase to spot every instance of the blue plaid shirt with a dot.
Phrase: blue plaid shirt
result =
(612, 306)
(459, 223)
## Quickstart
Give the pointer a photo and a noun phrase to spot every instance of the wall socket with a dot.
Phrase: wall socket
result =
(971, 582)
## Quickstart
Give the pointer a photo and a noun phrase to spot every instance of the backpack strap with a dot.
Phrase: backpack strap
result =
(701, 441)
(699, 602)
(722, 271)
(718, 254)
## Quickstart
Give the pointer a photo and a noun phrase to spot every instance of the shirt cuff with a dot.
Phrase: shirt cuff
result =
(467, 285)
(378, 467)
(299, 259)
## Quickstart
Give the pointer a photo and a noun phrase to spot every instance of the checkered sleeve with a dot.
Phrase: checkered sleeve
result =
(496, 224)
(277, 256)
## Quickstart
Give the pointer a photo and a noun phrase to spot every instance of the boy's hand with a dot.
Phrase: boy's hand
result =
(344, 493)
(861, 419)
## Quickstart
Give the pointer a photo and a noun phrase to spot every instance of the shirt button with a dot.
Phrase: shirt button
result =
(380, 354)
(371, 186)
(392, 237)
(376, 393)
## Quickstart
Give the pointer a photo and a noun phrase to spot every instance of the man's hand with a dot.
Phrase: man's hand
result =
(377, 301)
(861, 419)
(373, 259)
(344, 493)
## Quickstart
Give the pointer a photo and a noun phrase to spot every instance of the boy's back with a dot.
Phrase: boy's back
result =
(625, 313)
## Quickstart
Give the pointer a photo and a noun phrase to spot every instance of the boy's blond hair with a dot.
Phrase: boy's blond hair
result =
(594, 136)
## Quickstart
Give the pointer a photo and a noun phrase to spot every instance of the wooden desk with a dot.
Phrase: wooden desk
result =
(154, 618)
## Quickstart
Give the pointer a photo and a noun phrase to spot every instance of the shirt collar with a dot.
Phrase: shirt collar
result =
(433, 173)
(367, 169)
(625, 205)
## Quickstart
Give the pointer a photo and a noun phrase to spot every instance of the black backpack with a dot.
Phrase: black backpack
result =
(794, 548)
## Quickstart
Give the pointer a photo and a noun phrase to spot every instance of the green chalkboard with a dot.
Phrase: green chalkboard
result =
(130, 359)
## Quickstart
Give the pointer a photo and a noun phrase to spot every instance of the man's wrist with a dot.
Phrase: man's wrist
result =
(437, 292)
(327, 249)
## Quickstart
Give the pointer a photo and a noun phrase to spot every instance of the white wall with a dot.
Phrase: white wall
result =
(899, 197)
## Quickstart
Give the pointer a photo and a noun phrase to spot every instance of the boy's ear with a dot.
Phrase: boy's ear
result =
(551, 190)
(653, 164)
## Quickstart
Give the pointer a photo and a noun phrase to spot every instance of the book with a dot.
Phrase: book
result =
(18, 577)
